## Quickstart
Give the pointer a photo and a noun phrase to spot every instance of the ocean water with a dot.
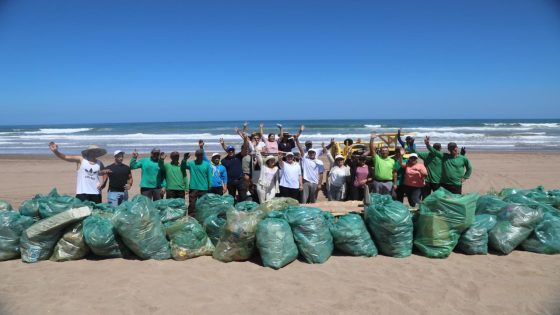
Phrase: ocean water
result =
(479, 135)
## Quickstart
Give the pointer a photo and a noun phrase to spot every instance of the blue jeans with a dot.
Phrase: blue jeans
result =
(115, 198)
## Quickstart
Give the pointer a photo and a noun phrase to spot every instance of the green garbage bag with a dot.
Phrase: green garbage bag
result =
(474, 241)
(30, 208)
(311, 233)
(351, 236)
(277, 204)
(213, 226)
(188, 239)
(246, 205)
(5, 206)
(171, 209)
(12, 224)
(506, 192)
(545, 239)
(210, 204)
(275, 241)
(489, 204)
(443, 217)
(515, 224)
(237, 238)
(101, 237)
(139, 225)
(54, 203)
(71, 246)
(38, 241)
(390, 224)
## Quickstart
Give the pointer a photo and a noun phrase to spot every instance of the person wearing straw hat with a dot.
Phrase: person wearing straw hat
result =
(120, 180)
(89, 169)
(338, 175)
(267, 184)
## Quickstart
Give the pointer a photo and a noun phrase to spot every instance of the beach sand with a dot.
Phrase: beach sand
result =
(520, 283)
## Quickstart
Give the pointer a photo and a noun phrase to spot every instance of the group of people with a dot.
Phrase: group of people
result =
(278, 165)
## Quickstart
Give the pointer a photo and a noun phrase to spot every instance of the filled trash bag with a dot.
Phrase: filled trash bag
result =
(210, 204)
(12, 225)
(311, 233)
(38, 241)
(390, 224)
(443, 217)
(171, 209)
(508, 191)
(5, 206)
(55, 204)
(139, 225)
(489, 204)
(474, 241)
(277, 204)
(351, 236)
(515, 224)
(102, 238)
(275, 241)
(30, 208)
(213, 226)
(71, 246)
(188, 239)
(545, 239)
(246, 205)
(237, 237)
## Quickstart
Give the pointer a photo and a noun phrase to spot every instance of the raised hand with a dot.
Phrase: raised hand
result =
(53, 146)
(323, 146)
(279, 125)
(201, 144)
(162, 156)
(332, 140)
(373, 134)
(301, 128)
(426, 140)
(221, 141)
(186, 156)
(463, 150)
(261, 125)
(135, 154)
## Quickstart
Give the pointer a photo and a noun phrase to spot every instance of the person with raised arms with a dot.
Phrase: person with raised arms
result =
(120, 180)
(236, 183)
(456, 168)
(219, 172)
(291, 181)
(337, 176)
(152, 174)
(383, 168)
(200, 176)
(176, 182)
(313, 170)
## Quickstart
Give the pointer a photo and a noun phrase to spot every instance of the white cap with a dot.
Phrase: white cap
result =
(215, 154)
(311, 149)
(289, 153)
(338, 156)
(413, 155)
(118, 152)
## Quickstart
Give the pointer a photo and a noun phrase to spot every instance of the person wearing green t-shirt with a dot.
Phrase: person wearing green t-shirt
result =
(176, 181)
(383, 168)
(456, 168)
(201, 178)
(398, 175)
(152, 174)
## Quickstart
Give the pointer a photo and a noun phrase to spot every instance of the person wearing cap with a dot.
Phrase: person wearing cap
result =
(408, 144)
(337, 176)
(313, 170)
(361, 175)
(236, 182)
(175, 180)
(152, 174)
(267, 182)
(413, 179)
(218, 183)
(456, 168)
(383, 167)
(120, 180)
(285, 143)
(291, 180)
(200, 176)
(89, 170)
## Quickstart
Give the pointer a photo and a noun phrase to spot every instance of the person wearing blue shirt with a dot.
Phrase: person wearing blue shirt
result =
(407, 144)
(219, 175)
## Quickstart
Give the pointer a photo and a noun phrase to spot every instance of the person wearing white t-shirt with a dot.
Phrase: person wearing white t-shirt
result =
(291, 181)
(337, 177)
(313, 170)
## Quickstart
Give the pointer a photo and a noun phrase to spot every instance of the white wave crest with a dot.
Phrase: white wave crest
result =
(53, 131)
(372, 126)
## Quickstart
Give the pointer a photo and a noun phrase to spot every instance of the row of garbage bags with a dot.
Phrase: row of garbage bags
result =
(63, 228)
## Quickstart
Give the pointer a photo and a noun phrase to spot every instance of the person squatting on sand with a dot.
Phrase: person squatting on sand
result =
(120, 180)
(88, 172)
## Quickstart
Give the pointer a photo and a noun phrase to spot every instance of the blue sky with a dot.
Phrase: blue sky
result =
(112, 61)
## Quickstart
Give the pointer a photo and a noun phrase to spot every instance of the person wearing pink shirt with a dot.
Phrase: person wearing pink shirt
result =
(414, 179)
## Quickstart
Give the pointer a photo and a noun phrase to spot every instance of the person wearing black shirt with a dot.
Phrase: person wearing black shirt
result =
(234, 166)
(120, 180)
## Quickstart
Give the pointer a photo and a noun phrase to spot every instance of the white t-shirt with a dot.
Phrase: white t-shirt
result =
(312, 169)
(338, 175)
(289, 175)
(318, 152)
(87, 178)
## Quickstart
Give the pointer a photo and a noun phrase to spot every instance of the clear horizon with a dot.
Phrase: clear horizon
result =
(106, 62)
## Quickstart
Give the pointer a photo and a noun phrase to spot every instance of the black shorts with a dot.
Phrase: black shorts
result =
(89, 197)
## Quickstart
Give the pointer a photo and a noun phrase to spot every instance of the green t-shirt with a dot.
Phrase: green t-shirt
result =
(152, 174)
(175, 177)
(453, 168)
(201, 175)
(433, 165)
(383, 168)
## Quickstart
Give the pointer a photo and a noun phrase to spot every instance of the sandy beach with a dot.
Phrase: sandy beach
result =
(520, 283)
